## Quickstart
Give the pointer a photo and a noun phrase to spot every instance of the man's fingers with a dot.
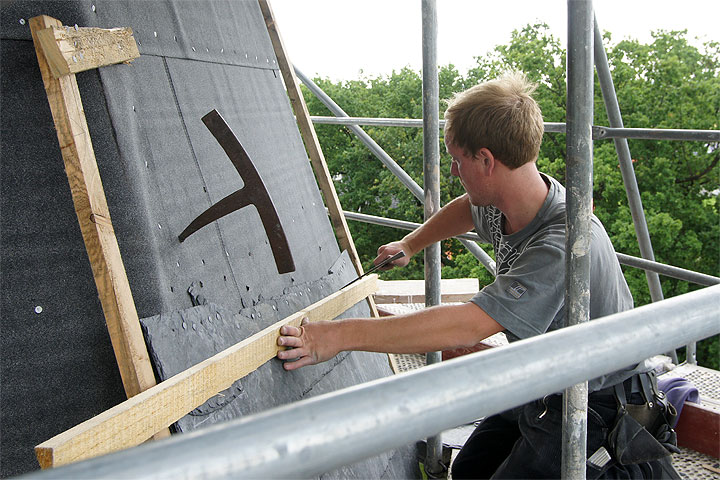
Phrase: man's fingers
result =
(292, 353)
(302, 362)
(297, 351)
(290, 331)
(290, 342)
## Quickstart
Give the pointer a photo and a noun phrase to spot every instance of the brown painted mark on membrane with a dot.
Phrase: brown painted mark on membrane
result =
(252, 193)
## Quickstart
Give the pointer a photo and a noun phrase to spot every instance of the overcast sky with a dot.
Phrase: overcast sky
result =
(339, 38)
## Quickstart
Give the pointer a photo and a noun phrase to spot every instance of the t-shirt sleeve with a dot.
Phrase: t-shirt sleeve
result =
(527, 298)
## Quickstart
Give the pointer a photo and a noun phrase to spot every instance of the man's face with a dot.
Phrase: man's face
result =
(467, 169)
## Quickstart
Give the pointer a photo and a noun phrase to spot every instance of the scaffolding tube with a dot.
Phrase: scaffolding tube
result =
(431, 184)
(320, 434)
(489, 263)
(669, 270)
(626, 167)
(550, 127)
(578, 199)
(628, 173)
(371, 144)
(431, 148)
(381, 154)
(470, 238)
(599, 132)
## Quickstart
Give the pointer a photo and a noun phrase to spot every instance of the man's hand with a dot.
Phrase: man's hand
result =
(310, 344)
(391, 249)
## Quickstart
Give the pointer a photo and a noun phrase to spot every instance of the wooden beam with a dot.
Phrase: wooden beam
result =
(413, 291)
(76, 49)
(95, 224)
(134, 420)
(698, 428)
(307, 131)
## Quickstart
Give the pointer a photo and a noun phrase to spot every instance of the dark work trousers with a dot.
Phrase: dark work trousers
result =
(526, 442)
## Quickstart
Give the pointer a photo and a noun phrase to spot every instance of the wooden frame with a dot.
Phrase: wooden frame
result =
(150, 408)
(90, 202)
(135, 420)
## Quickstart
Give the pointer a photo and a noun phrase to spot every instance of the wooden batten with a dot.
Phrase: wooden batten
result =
(312, 144)
(94, 218)
(76, 49)
(135, 420)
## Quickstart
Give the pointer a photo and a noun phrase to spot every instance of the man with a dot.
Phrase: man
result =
(493, 132)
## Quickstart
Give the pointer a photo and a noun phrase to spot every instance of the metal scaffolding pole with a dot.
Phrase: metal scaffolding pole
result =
(320, 434)
(379, 153)
(471, 238)
(431, 182)
(628, 172)
(668, 270)
(599, 132)
(579, 212)
(489, 263)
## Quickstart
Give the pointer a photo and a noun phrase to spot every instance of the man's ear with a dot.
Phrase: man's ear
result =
(488, 160)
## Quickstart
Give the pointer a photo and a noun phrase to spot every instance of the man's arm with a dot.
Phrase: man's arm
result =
(451, 220)
(428, 330)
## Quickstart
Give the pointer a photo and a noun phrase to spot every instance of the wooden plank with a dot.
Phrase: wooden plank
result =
(95, 223)
(413, 291)
(76, 49)
(134, 420)
(698, 429)
(307, 131)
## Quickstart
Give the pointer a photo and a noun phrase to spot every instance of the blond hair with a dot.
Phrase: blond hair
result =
(499, 115)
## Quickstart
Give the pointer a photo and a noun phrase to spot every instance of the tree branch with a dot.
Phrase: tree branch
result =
(704, 172)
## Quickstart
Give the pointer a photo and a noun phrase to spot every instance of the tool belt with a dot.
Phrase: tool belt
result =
(641, 432)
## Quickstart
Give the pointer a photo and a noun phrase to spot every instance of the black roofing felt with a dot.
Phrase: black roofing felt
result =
(161, 168)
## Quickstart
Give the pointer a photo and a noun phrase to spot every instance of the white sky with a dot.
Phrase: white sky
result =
(338, 38)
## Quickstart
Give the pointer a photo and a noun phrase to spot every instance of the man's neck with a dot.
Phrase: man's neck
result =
(522, 197)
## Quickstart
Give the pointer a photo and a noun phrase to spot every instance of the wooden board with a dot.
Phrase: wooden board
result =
(94, 219)
(307, 131)
(135, 420)
(698, 429)
(76, 49)
(413, 291)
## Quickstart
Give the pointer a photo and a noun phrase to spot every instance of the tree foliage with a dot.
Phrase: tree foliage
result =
(667, 83)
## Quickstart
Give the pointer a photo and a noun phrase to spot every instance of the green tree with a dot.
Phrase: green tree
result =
(665, 84)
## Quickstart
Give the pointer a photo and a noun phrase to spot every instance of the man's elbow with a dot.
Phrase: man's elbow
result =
(480, 325)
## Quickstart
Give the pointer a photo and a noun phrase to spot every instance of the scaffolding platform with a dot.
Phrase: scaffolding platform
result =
(691, 465)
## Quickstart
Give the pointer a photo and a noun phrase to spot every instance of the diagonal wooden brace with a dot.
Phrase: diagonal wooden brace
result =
(133, 421)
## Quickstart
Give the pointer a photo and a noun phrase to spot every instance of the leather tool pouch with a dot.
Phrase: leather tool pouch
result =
(642, 433)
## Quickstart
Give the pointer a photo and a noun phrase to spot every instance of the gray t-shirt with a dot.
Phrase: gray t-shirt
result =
(528, 294)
